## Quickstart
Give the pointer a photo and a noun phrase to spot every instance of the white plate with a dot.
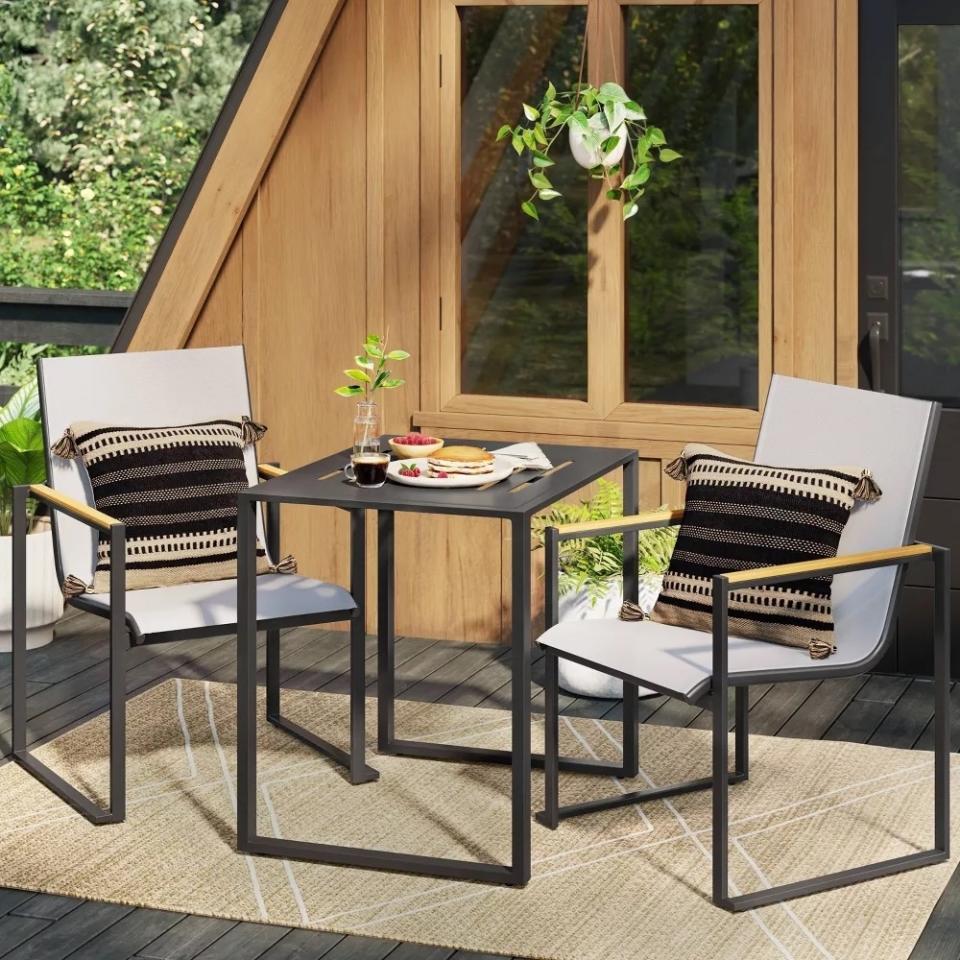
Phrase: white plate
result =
(502, 468)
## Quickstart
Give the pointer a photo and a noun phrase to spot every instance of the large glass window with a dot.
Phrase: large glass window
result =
(693, 271)
(523, 312)
(929, 105)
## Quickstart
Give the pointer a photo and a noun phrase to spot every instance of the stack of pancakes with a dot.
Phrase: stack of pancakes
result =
(462, 461)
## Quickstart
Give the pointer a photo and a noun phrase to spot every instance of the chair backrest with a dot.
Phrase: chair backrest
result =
(809, 424)
(162, 388)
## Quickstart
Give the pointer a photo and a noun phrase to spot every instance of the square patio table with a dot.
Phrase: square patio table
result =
(516, 499)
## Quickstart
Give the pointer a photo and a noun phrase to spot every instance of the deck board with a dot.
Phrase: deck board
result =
(68, 686)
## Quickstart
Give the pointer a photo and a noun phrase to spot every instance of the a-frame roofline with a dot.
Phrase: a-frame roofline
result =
(232, 163)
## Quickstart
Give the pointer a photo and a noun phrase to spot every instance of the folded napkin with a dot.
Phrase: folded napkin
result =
(526, 456)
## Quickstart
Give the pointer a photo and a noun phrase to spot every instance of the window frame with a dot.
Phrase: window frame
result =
(605, 412)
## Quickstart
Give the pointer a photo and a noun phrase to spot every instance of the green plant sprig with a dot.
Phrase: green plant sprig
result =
(22, 456)
(371, 373)
(573, 108)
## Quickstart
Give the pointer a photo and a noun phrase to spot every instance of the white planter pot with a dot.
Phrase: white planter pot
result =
(583, 681)
(44, 598)
(589, 158)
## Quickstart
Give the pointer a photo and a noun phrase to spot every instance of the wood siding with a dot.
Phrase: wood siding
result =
(341, 233)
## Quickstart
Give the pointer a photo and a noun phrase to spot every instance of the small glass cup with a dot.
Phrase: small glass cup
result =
(368, 470)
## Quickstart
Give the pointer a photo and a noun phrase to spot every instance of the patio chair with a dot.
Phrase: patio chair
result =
(150, 389)
(804, 424)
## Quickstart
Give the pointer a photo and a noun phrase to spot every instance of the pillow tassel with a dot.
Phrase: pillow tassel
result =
(287, 565)
(867, 489)
(676, 468)
(632, 612)
(251, 430)
(821, 649)
(66, 447)
(73, 586)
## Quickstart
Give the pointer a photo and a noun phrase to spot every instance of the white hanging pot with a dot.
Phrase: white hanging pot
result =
(44, 597)
(584, 681)
(589, 157)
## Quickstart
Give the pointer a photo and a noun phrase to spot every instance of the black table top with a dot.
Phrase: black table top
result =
(518, 497)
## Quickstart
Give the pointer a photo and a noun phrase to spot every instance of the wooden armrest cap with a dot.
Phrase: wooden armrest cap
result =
(269, 470)
(74, 508)
(834, 564)
(652, 518)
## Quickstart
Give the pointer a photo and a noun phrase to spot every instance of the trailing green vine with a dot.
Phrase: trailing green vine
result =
(603, 123)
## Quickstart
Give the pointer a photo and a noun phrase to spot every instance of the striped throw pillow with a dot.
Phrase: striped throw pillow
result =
(176, 490)
(741, 515)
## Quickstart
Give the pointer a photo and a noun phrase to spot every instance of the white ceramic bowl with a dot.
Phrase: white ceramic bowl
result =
(410, 451)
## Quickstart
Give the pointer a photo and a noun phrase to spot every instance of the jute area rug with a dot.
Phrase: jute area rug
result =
(632, 883)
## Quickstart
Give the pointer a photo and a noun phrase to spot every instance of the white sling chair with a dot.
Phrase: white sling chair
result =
(805, 424)
(155, 389)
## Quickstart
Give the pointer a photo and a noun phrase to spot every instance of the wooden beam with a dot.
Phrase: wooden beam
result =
(226, 193)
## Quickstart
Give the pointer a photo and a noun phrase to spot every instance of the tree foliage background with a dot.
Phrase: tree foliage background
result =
(104, 107)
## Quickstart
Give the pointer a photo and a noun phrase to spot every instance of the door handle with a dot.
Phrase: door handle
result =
(878, 331)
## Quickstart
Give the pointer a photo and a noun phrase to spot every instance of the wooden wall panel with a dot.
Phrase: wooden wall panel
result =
(235, 174)
(805, 70)
(221, 321)
(341, 237)
(311, 302)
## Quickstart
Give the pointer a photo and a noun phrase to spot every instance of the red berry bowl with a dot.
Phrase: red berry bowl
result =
(413, 445)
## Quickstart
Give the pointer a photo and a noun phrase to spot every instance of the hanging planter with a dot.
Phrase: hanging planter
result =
(609, 135)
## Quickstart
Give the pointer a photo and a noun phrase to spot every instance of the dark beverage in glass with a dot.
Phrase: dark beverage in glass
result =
(368, 469)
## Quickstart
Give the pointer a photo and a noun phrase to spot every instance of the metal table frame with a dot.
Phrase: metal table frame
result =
(519, 512)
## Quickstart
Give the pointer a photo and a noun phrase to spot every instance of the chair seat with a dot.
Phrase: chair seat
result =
(674, 659)
(213, 603)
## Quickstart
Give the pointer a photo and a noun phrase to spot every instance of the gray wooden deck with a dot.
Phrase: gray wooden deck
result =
(68, 685)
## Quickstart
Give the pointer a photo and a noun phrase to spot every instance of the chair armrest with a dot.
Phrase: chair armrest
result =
(828, 565)
(73, 508)
(641, 521)
(268, 471)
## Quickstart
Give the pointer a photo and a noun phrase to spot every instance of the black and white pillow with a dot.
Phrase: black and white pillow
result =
(741, 515)
(176, 490)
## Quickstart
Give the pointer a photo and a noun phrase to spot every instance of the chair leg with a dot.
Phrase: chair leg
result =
(553, 811)
(550, 817)
(273, 674)
(742, 733)
(116, 812)
(941, 781)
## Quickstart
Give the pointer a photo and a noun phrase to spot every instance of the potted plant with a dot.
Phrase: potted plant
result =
(370, 375)
(603, 123)
(591, 584)
(22, 461)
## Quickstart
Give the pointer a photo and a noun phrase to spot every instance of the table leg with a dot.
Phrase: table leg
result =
(631, 591)
(246, 672)
(520, 696)
(386, 667)
(359, 771)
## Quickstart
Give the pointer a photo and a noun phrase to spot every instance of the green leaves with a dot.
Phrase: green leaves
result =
(22, 457)
(624, 125)
(539, 180)
(371, 373)
(593, 564)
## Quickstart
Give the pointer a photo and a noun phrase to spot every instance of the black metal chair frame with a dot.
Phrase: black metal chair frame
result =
(715, 693)
(123, 631)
